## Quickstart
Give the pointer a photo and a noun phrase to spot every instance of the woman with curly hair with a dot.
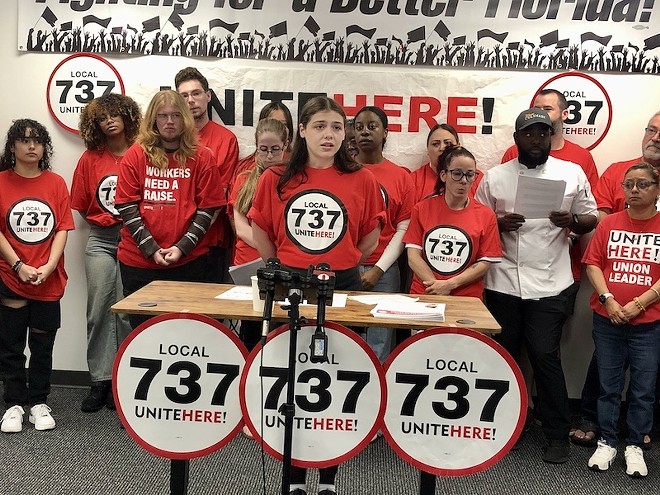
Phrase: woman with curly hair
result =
(35, 217)
(108, 126)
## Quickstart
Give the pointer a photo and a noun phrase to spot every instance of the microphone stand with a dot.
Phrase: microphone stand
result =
(288, 409)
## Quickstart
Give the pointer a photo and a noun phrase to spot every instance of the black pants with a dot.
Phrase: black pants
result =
(537, 324)
(21, 388)
(134, 279)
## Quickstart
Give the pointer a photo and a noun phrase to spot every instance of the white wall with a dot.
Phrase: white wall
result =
(25, 76)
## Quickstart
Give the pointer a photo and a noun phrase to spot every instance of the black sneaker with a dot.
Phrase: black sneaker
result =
(110, 400)
(557, 451)
(97, 396)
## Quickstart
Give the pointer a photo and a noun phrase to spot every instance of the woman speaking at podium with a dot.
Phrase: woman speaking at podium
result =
(319, 208)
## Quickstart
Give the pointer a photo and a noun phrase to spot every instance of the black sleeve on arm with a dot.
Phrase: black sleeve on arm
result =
(130, 214)
(196, 230)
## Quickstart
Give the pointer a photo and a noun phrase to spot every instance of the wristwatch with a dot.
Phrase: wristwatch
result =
(604, 297)
(576, 219)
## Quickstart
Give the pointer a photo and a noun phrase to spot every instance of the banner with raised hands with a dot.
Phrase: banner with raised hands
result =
(588, 35)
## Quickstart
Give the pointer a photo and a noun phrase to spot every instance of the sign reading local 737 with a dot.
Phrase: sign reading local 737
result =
(176, 380)
(75, 82)
(456, 401)
(338, 403)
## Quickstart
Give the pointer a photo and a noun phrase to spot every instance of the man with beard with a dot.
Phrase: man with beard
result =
(527, 292)
(556, 106)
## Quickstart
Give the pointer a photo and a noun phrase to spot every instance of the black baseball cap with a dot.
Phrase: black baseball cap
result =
(533, 116)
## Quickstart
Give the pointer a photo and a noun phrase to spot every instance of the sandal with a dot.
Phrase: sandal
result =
(647, 443)
(586, 437)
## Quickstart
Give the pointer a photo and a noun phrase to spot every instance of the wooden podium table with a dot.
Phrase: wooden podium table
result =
(175, 297)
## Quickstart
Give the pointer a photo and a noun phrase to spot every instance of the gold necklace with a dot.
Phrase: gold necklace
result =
(632, 226)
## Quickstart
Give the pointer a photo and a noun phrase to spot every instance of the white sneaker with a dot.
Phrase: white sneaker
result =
(603, 458)
(635, 465)
(40, 417)
(12, 420)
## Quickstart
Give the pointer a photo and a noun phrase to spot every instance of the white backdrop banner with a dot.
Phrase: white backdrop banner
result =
(588, 35)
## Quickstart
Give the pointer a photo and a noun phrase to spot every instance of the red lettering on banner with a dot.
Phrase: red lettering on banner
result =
(454, 113)
(382, 101)
(431, 108)
(360, 101)
(186, 415)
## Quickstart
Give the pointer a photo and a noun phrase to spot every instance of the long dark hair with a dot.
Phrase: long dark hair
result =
(18, 131)
(445, 158)
(300, 154)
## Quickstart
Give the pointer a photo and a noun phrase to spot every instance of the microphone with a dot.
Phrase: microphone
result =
(268, 311)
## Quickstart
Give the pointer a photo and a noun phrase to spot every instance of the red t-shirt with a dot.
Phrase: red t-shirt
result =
(32, 210)
(167, 199)
(319, 219)
(93, 188)
(424, 179)
(625, 250)
(243, 252)
(453, 240)
(244, 165)
(574, 153)
(224, 146)
(608, 193)
(397, 189)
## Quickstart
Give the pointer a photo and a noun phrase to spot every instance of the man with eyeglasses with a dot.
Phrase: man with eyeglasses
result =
(194, 87)
(608, 192)
(527, 292)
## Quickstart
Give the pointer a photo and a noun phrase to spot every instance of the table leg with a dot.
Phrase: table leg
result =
(179, 471)
(426, 483)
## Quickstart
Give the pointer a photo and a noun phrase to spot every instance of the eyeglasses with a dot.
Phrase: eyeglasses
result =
(104, 118)
(273, 150)
(195, 94)
(642, 185)
(457, 174)
(651, 131)
(164, 117)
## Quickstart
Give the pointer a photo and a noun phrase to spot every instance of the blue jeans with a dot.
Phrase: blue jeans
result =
(617, 348)
(105, 329)
(380, 339)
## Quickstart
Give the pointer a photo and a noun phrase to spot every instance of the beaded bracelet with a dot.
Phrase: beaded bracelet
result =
(17, 266)
(639, 304)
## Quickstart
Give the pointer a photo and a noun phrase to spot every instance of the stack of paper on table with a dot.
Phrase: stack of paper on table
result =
(410, 311)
